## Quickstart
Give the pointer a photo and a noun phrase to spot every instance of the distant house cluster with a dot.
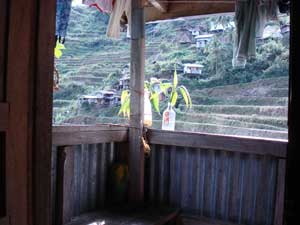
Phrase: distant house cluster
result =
(197, 36)
(193, 70)
(274, 32)
(101, 98)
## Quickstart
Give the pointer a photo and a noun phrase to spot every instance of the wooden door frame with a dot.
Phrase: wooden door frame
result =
(31, 39)
(291, 185)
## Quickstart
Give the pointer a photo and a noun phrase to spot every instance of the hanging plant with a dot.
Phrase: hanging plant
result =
(58, 49)
(155, 87)
(57, 53)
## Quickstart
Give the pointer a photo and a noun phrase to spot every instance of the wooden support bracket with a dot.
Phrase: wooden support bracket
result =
(161, 6)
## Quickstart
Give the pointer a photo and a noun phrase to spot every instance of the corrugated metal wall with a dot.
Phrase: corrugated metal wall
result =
(230, 186)
(87, 178)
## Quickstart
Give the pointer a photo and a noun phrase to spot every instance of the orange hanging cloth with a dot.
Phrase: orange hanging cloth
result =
(104, 6)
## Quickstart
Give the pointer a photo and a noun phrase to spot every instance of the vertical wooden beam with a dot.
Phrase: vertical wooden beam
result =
(3, 46)
(279, 204)
(293, 154)
(42, 115)
(136, 154)
(20, 75)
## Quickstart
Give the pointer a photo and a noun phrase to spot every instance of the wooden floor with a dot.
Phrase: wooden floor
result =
(127, 217)
(195, 220)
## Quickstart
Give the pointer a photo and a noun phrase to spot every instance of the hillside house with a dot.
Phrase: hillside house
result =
(203, 40)
(70, 174)
(270, 32)
(124, 83)
(192, 70)
(217, 29)
(106, 97)
(285, 29)
(89, 99)
(102, 98)
(184, 39)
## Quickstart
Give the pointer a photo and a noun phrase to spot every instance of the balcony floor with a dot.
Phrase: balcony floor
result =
(127, 216)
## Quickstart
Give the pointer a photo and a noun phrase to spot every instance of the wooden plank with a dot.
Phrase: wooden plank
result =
(4, 221)
(84, 179)
(2, 177)
(279, 205)
(92, 136)
(137, 67)
(263, 178)
(197, 220)
(92, 177)
(4, 110)
(3, 46)
(162, 6)
(81, 128)
(185, 9)
(292, 165)
(235, 188)
(271, 147)
(68, 186)
(20, 72)
(61, 158)
(42, 107)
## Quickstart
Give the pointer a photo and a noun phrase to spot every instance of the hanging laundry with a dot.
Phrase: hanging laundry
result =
(250, 19)
(63, 9)
(284, 6)
(105, 6)
(120, 6)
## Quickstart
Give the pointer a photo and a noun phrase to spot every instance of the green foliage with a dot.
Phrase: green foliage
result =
(58, 50)
(156, 87)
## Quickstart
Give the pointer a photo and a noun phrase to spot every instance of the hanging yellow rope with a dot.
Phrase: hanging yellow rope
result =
(55, 79)
(145, 144)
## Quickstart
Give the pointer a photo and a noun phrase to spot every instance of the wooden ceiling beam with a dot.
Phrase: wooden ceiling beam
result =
(179, 9)
(162, 6)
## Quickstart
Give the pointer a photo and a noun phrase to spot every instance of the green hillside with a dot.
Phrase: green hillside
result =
(250, 101)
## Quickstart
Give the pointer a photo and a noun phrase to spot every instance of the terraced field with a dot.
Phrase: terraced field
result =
(257, 109)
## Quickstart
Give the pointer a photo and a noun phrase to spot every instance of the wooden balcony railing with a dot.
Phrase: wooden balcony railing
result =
(230, 178)
(81, 157)
(234, 179)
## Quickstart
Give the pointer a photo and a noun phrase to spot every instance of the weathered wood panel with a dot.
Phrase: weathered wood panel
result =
(79, 179)
(279, 208)
(3, 116)
(42, 113)
(137, 76)
(225, 185)
(2, 176)
(179, 8)
(4, 221)
(76, 135)
(20, 77)
(292, 165)
(3, 46)
(4, 110)
(276, 148)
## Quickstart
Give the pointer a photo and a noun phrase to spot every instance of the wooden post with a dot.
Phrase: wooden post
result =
(136, 154)
(292, 164)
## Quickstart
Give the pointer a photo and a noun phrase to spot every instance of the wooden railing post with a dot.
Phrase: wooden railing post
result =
(136, 155)
(65, 197)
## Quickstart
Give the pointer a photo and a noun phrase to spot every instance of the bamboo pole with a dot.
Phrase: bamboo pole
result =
(136, 154)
